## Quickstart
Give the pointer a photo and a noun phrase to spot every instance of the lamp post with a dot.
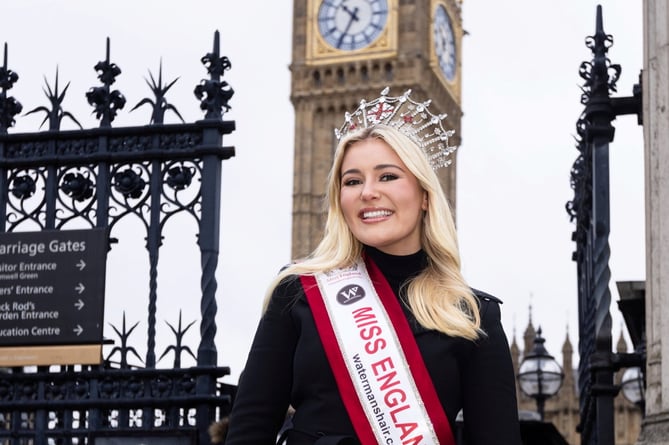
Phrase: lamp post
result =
(540, 376)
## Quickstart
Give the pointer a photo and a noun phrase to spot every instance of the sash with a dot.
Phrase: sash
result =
(369, 345)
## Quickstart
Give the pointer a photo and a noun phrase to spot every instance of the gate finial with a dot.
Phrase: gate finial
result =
(106, 102)
(214, 93)
(160, 105)
(56, 114)
(9, 107)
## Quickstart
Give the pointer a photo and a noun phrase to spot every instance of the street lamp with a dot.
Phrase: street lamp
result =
(633, 307)
(633, 386)
(540, 376)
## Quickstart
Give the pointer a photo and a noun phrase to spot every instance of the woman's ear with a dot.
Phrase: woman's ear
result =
(424, 204)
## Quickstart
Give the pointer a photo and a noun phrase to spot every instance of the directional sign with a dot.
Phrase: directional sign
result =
(52, 287)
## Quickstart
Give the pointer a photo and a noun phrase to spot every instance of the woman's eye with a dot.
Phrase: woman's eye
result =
(349, 182)
(388, 177)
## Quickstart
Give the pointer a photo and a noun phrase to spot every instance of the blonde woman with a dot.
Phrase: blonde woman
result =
(376, 338)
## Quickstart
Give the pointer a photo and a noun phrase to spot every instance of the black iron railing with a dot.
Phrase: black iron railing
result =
(95, 178)
(591, 213)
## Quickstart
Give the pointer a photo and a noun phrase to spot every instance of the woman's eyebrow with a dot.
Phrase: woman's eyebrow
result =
(376, 167)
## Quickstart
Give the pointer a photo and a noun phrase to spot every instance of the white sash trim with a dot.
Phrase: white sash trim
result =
(374, 358)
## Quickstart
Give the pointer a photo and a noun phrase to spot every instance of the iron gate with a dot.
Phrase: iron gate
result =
(95, 178)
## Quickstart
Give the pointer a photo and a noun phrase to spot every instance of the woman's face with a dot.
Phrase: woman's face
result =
(381, 199)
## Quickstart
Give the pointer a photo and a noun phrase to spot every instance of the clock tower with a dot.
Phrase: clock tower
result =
(347, 50)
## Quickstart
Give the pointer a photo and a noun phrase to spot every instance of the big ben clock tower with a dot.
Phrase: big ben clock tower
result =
(347, 50)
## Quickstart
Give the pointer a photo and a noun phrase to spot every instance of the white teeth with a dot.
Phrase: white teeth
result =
(376, 214)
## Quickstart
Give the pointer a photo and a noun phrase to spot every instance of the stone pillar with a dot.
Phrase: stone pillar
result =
(655, 427)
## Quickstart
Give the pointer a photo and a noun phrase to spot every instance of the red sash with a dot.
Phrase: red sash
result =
(342, 366)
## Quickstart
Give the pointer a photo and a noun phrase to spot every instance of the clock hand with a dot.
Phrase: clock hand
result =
(353, 18)
(351, 13)
(441, 39)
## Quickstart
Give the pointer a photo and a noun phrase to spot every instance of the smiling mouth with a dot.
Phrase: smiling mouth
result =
(376, 214)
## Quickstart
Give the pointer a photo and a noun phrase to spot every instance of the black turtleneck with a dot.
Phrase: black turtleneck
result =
(398, 268)
(287, 366)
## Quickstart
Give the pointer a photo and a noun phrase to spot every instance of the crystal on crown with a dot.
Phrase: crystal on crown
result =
(412, 118)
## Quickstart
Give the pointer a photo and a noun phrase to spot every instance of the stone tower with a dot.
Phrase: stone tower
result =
(347, 50)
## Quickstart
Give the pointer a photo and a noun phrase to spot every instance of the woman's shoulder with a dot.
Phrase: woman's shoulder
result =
(286, 294)
(289, 285)
(489, 306)
(486, 297)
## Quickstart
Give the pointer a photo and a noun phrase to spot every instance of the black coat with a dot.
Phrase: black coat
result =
(288, 366)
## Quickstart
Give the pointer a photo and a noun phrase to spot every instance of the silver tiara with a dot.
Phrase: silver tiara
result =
(412, 118)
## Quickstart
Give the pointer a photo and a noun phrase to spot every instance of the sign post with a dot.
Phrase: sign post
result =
(52, 296)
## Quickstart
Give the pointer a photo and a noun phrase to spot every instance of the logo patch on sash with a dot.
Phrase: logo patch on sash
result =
(350, 294)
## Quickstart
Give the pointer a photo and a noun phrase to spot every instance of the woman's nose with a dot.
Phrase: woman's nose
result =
(369, 191)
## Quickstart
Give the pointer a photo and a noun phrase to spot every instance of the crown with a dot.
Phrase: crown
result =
(412, 118)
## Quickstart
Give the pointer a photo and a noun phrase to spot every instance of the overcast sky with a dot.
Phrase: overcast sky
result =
(521, 92)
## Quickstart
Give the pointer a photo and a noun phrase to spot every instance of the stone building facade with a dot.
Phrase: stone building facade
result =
(655, 80)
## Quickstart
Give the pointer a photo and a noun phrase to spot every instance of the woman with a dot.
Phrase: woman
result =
(376, 337)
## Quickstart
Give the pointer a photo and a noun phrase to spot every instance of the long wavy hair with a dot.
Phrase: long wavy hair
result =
(439, 297)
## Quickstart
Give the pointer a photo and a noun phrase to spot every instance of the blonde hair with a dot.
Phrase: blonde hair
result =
(439, 297)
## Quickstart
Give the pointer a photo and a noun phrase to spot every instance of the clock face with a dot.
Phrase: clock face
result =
(444, 43)
(351, 24)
